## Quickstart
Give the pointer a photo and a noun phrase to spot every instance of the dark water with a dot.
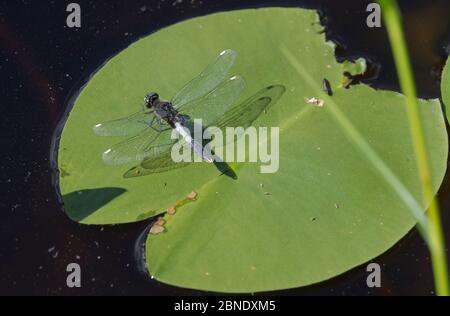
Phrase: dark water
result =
(42, 64)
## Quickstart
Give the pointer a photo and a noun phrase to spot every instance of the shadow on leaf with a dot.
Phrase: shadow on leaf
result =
(80, 204)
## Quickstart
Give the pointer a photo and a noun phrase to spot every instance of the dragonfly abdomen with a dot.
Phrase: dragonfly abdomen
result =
(196, 146)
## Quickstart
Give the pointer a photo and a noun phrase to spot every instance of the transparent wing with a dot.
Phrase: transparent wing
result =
(150, 143)
(243, 115)
(207, 81)
(216, 103)
(248, 111)
(130, 125)
(146, 145)
(161, 163)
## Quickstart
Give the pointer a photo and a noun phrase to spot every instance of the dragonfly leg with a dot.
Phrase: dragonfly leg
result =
(147, 123)
(152, 121)
(160, 127)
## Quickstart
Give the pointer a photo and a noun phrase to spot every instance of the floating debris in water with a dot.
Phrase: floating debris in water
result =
(192, 196)
(27, 177)
(314, 101)
(171, 210)
(53, 252)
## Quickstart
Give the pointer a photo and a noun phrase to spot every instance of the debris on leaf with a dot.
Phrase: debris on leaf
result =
(326, 86)
(158, 226)
(160, 222)
(156, 229)
(171, 210)
(189, 198)
(192, 195)
(314, 101)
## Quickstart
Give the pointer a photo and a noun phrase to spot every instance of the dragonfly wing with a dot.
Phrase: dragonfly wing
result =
(161, 163)
(146, 145)
(244, 114)
(216, 103)
(208, 108)
(247, 112)
(130, 125)
(207, 81)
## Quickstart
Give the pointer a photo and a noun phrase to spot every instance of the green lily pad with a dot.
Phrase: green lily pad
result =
(324, 212)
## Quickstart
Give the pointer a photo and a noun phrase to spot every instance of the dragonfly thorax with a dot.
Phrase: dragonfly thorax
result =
(166, 112)
(150, 99)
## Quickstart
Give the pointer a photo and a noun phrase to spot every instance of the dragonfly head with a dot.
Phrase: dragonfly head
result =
(150, 99)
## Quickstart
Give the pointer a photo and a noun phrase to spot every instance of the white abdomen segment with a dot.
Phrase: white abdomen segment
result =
(198, 148)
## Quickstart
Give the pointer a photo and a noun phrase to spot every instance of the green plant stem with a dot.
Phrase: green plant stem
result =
(436, 243)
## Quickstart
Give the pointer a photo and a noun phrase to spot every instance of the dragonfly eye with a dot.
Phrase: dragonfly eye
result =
(150, 98)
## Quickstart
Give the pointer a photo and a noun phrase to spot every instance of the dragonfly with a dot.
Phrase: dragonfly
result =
(241, 115)
(208, 96)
